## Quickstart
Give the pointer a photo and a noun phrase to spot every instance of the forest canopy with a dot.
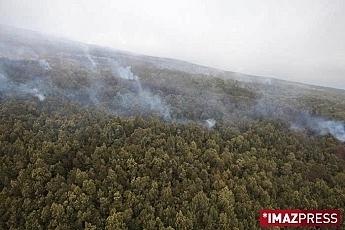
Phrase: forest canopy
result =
(67, 167)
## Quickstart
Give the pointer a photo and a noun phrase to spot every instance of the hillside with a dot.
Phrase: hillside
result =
(96, 138)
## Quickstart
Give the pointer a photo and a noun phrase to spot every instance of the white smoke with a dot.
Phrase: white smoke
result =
(32, 88)
(4, 83)
(320, 126)
(144, 98)
(210, 123)
(154, 103)
(44, 64)
(93, 64)
(126, 73)
(11, 88)
(144, 102)
(36, 93)
(298, 120)
(3, 79)
(267, 81)
(265, 107)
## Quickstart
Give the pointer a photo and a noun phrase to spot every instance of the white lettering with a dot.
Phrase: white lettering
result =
(302, 217)
(276, 218)
(334, 218)
(286, 219)
(310, 218)
(326, 219)
(318, 218)
(294, 218)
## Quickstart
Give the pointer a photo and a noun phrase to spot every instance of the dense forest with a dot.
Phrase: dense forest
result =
(64, 167)
(100, 139)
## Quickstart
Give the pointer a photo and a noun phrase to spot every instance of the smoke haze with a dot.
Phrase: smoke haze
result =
(289, 39)
(34, 80)
(320, 126)
(143, 99)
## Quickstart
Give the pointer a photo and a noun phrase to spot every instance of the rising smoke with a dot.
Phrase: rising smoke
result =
(91, 64)
(31, 90)
(135, 98)
(319, 126)
(210, 123)
(11, 88)
(44, 64)
(143, 98)
(126, 73)
(298, 120)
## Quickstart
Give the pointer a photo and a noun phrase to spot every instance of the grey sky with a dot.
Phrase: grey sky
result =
(299, 40)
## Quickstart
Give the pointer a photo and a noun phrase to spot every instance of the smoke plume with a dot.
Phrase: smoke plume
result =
(319, 126)
(298, 120)
(210, 123)
(10, 88)
(91, 62)
(44, 64)
(143, 98)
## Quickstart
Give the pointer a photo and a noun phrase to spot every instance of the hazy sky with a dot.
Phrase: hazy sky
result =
(299, 40)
